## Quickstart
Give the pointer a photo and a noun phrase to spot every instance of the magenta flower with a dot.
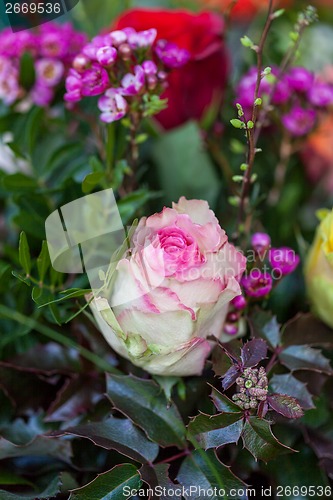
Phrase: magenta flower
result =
(149, 67)
(113, 106)
(321, 94)
(300, 79)
(171, 55)
(260, 242)
(284, 260)
(73, 86)
(282, 92)
(257, 284)
(117, 37)
(299, 121)
(49, 71)
(133, 84)
(42, 95)
(95, 80)
(140, 39)
(10, 89)
(106, 55)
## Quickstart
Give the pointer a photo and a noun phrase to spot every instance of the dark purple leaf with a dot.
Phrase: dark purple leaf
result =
(232, 349)
(262, 409)
(264, 325)
(221, 362)
(322, 445)
(258, 438)
(301, 357)
(285, 405)
(307, 329)
(230, 377)
(78, 395)
(288, 384)
(327, 465)
(158, 475)
(253, 352)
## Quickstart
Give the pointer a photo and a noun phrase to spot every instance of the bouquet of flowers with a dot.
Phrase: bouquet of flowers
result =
(166, 253)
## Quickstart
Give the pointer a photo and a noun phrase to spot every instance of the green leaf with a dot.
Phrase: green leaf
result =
(19, 182)
(43, 261)
(145, 404)
(203, 470)
(246, 41)
(222, 403)
(110, 485)
(117, 434)
(301, 357)
(91, 181)
(285, 405)
(167, 384)
(258, 438)
(27, 71)
(21, 278)
(288, 384)
(179, 147)
(212, 431)
(24, 253)
(48, 487)
(9, 478)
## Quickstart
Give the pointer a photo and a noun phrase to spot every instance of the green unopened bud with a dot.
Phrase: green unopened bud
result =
(258, 101)
(253, 179)
(243, 167)
(250, 124)
(278, 13)
(237, 123)
(237, 178)
(246, 41)
(267, 71)
(234, 201)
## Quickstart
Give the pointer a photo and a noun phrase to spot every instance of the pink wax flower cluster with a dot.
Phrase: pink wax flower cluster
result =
(122, 66)
(52, 47)
(299, 96)
(267, 266)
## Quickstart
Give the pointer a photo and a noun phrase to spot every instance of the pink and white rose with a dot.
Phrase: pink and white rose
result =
(171, 290)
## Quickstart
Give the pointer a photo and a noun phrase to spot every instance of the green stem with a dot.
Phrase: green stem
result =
(57, 337)
(110, 143)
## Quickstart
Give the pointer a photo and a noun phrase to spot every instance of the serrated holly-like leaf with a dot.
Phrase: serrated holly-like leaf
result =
(39, 446)
(253, 352)
(222, 403)
(285, 405)
(309, 330)
(288, 384)
(301, 357)
(49, 487)
(24, 253)
(158, 475)
(203, 470)
(258, 438)
(110, 485)
(230, 377)
(146, 405)
(212, 431)
(265, 326)
(116, 434)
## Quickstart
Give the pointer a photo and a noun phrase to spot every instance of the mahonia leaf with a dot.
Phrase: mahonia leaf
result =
(288, 384)
(253, 352)
(116, 434)
(221, 362)
(202, 471)
(212, 431)
(265, 326)
(146, 405)
(285, 405)
(309, 330)
(223, 403)
(158, 476)
(110, 484)
(258, 438)
(302, 357)
(230, 377)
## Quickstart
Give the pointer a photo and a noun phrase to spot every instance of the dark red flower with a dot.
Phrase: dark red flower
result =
(202, 80)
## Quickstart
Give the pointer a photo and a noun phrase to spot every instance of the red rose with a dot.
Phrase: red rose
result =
(193, 87)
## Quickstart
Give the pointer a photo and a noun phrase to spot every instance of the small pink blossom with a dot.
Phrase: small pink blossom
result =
(171, 55)
(133, 84)
(49, 71)
(95, 80)
(257, 284)
(113, 106)
(73, 86)
(42, 95)
(321, 94)
(283, 259)
(299, 121)
(106, 56)
(141, 39)
(260, 242)
(118, 37)
(149, 67)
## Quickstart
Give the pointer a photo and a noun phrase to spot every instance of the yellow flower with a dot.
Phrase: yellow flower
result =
(319, 269)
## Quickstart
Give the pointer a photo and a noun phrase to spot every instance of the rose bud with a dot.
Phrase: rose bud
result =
(171, 291)
(319, 270)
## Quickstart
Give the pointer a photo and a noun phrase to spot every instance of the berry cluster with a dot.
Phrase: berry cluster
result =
(252, 388)
(123, 65)
(51, 49)
(298, 94)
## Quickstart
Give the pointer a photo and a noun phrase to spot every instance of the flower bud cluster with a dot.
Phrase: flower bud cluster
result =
(299, 95)
(51, 48)
(268, 265)
(252, 388)
(122, 66)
